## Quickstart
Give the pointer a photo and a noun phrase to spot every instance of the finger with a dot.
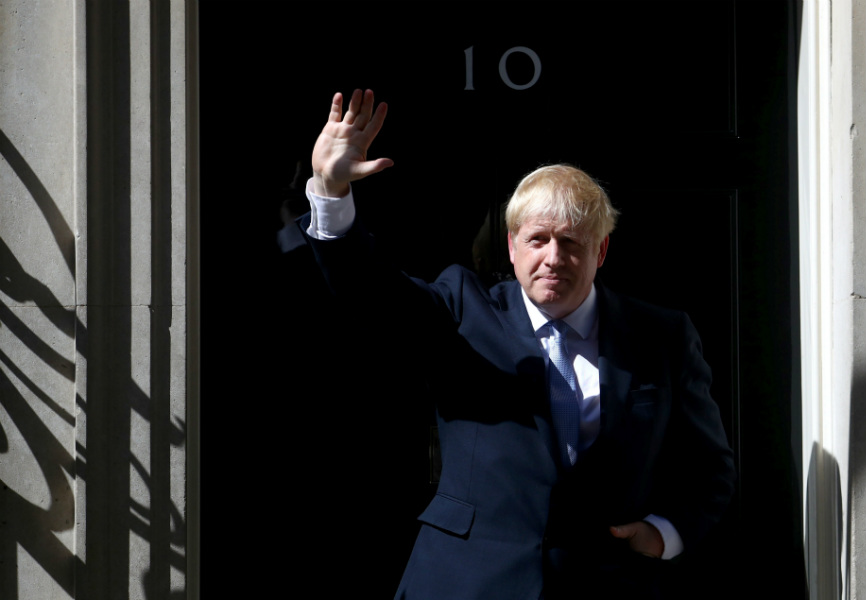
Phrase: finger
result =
(376, 120)
(336, 108)
(366, 110)
(622, 531)
(354, 107)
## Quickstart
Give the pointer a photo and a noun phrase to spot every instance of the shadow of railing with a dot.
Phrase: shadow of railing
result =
(43, 462)
(43, 201)
(36, 454)
(102, 469)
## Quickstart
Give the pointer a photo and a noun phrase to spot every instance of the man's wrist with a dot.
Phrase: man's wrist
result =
(673, 543)
(330, 217)
(329, 189)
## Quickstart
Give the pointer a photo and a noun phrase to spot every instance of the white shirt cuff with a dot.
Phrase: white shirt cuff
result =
(670, 536)
(330, 217)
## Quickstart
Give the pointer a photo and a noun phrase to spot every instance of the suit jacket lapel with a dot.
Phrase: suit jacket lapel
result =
(525, 350)
(528, 359)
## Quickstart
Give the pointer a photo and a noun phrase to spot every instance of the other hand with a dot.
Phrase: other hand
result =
(340, 153)
(642, 537)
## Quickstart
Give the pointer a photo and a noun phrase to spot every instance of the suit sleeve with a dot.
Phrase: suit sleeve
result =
(699, 484)
(369, 285)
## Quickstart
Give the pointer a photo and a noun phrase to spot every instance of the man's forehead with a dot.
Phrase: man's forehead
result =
(550, 224)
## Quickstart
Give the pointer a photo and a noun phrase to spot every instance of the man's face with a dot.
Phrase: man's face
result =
(555, 264)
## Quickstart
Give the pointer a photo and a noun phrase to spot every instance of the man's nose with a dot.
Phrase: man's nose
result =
(553, 257)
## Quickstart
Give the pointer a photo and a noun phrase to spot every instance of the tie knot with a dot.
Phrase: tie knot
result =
(558, 327)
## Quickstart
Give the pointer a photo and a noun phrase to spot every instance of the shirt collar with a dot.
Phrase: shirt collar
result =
(582, 319)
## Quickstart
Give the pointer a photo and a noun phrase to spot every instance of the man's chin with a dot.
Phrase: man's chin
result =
(553, 304)
(549, 304)
(547, 297)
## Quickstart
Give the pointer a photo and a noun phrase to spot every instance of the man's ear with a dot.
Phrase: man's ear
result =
(510, 248)
(602, 250)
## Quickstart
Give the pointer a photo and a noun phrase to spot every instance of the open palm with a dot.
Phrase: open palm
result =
(340, 153)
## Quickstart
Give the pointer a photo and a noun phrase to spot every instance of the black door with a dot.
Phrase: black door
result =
(684, 111)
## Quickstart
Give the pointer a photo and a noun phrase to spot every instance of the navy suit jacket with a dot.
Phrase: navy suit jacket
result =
(507, 520)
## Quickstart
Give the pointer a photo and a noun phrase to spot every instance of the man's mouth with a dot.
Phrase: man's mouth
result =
(552, 278)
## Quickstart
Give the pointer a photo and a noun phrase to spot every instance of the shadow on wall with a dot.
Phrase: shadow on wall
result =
(22, 522)
(37, 427)
(824, 529)
(856, 471)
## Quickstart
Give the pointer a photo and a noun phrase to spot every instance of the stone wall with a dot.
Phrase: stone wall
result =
(93, 299)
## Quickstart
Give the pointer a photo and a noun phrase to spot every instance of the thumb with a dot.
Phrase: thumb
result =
(370, 167)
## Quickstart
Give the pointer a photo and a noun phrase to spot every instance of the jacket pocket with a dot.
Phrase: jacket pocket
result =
(642, 403)
(646, 395)
(449, 514)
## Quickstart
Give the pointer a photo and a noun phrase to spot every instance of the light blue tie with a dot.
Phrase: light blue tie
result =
(564, 399)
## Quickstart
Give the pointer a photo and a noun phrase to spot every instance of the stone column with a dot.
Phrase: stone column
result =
(832, 230)
(95, 306)
(857, 468)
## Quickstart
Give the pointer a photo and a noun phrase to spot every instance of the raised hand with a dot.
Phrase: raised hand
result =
(340, 153)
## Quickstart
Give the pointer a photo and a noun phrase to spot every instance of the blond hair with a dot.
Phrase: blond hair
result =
(564, 194)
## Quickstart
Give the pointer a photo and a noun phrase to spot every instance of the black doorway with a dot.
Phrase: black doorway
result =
(685, 111)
